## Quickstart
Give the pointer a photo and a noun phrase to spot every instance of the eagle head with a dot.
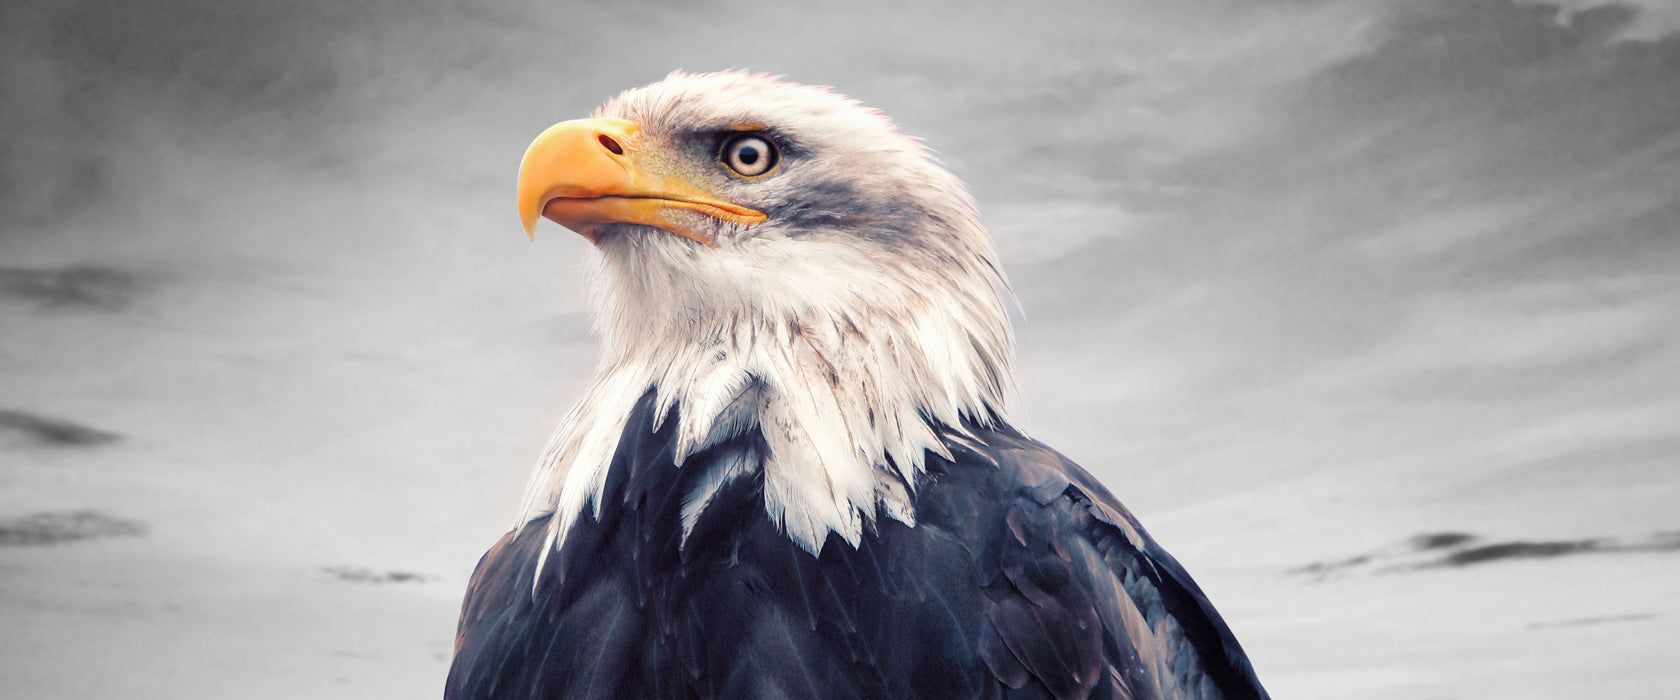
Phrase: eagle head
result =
(772, 259)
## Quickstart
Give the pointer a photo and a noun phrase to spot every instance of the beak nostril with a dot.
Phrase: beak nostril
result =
(610, 144)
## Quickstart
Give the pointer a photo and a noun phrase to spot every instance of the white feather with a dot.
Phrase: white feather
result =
(851, 356)
(727, 467)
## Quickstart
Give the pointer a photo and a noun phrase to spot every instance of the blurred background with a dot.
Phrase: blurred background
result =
(1369, 310)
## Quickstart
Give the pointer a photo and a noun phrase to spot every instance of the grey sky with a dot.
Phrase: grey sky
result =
(1286, 268)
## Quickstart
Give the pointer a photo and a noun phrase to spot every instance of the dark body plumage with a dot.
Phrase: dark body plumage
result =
(1022, 578)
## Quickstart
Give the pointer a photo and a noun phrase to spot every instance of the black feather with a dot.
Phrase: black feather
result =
(1023, 578)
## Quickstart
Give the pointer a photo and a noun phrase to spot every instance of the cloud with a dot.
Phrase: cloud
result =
(1651, 19)
(51, 528)
(1436, 256)
(1468, 141)
(72, 287)
(1457, 102)
(1543, 339)
(88, 83)
(32, 429)
(1542, 92)
(1456, 550)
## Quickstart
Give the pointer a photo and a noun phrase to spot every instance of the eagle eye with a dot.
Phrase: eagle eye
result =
(749, 155)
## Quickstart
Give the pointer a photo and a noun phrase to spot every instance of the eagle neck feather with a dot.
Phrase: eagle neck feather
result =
(850, 381)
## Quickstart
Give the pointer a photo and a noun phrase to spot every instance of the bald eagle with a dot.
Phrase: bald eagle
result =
(795, 474)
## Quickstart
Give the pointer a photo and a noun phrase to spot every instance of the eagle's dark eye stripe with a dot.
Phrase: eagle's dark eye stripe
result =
(749, 155)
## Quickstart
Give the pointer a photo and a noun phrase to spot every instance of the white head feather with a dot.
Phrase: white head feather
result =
(855, 328)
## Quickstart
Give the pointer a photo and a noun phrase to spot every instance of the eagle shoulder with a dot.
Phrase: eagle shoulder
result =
(1082, 600)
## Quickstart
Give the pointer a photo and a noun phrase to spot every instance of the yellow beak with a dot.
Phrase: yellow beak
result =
(586, 173)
